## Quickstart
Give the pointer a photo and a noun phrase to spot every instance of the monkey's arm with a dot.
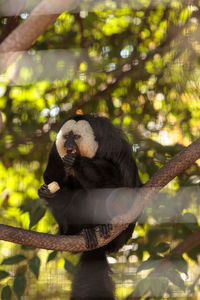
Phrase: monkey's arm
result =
(54, 175)
(93, 173)
(55, 168)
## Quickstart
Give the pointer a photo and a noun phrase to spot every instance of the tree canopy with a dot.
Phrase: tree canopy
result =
(136, 62)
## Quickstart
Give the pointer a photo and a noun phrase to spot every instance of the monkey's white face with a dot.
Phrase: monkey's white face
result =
(86, 142)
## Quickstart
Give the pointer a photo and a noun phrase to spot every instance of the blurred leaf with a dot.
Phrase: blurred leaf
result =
(69, 267)
(158, 286)
(16, 259)
(19, 285)
(155, 234)
(3, 274)
(36, 210)
(160, 157)
(142, 287)
(139, 251)
(179, 262)
(190, 221)
(52, 255)
(34, 265)
(6, 293)
(162, 247)
(28, 248)
(36, 215)
(152, 262)
(175, 278)
(194, 253)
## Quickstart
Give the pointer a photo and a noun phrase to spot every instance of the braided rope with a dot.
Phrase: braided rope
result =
(171, 169)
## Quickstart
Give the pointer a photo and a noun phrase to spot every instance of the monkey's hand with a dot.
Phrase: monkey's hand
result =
(68, 160)
(44, 192)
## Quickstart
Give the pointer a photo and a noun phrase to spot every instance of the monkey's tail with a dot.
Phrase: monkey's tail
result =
(92, 280)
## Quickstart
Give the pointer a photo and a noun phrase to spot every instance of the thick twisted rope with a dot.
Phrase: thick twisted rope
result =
(170, 170)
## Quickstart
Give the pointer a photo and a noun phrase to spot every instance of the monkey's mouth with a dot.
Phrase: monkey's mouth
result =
(71, 151)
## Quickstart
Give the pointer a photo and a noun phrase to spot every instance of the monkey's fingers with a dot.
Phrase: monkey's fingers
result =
(69, 159)
(44, 192)
(104, 230)
(90, 238)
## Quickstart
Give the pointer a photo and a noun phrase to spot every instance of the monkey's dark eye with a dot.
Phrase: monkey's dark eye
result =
(77, 136)
(65, 136)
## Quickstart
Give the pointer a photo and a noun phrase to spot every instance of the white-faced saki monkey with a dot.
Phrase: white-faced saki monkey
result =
(89, 155)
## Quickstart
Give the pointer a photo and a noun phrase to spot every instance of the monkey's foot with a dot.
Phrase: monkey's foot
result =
(44, 192)
(69, 160)
(104, 230)
(90, 238)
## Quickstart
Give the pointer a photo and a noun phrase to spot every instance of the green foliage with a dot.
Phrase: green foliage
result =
(152, 262)
(16, 259)
(3, 274)
(36, 211)
(175, 278)
(52, 256)
(138, 64)
(179, 263)
(157, 286)
(34, 265)
(69, 266)
(19, 285)
(6, 293)
(162, 247)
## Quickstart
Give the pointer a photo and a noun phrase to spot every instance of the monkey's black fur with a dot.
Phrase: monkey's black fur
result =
(112, 166)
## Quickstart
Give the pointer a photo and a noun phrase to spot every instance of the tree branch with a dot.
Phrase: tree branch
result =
(12, 23)
(26, 33)
(178, 164)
